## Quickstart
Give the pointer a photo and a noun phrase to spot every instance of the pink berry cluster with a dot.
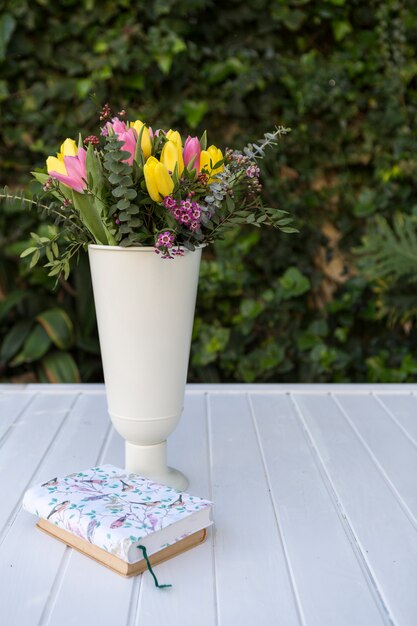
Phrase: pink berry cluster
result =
(95, 141)
(241, 160)
(253, 171)
(49, 183)
(186, 212)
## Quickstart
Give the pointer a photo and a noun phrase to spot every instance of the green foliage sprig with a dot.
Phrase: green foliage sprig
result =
(121, 180)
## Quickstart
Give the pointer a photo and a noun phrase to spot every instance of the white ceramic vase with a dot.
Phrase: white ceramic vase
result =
(145, 310)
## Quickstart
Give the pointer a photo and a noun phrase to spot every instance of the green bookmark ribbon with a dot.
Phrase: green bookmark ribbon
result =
(148, 563)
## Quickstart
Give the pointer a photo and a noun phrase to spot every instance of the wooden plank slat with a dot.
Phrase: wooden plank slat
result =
(24, 448)
(404, 411)
(12, 407)
(385, 535)
(30, 560)
(191, 573)
(252, 576)
(313, 529)
(392, 450)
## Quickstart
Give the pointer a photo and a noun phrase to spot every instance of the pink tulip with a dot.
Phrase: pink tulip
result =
(118, 126)
(127, 135)
(129, 143)
(76, 171)
(192, 149)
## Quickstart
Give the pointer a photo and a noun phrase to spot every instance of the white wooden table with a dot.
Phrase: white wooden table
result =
(315, 492)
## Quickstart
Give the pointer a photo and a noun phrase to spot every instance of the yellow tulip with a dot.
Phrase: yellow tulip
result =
(68, 148)
(146, 142)
(54, 164)
(158, 181)
(209, 158)
(171, 156)
(164, 180)
(175, 137)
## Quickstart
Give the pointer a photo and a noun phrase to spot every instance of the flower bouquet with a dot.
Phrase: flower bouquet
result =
(123, 195)
(131, 186)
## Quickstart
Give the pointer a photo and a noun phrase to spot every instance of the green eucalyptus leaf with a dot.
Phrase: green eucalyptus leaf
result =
(123, 204)
(116, 179)
(119, 192)
(132, 209)
(130, 194)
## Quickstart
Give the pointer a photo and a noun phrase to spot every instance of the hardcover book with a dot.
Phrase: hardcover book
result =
(117, 517)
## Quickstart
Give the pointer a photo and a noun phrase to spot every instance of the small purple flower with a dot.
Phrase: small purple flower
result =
(185, 205)
(186, 212)
(185, 219)
(165, 240)
(170, 202)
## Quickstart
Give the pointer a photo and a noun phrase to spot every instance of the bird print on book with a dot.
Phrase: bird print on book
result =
(91, 528)
(58, 508)
(93, 481)
(119, 522)
(51, 483)
(99, 497)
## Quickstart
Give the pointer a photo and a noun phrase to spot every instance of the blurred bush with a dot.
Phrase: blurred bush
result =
(341, 73)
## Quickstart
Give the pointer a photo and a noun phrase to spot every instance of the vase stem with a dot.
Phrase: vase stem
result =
(146, 460)
(151, 462)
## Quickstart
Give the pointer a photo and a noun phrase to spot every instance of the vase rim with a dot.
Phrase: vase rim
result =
(96, 246)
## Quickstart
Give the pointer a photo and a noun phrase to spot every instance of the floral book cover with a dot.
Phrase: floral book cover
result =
(115, 510)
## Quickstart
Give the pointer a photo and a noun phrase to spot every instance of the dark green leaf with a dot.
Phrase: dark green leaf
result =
(14, 339)
(58, 326)
(35, 346)
(60, 367)
(12, 300)
(7, 26)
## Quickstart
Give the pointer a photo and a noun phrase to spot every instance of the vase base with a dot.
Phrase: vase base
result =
(171, 477)
(150, 462)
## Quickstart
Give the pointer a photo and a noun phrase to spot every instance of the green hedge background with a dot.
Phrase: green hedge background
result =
(340, 73)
